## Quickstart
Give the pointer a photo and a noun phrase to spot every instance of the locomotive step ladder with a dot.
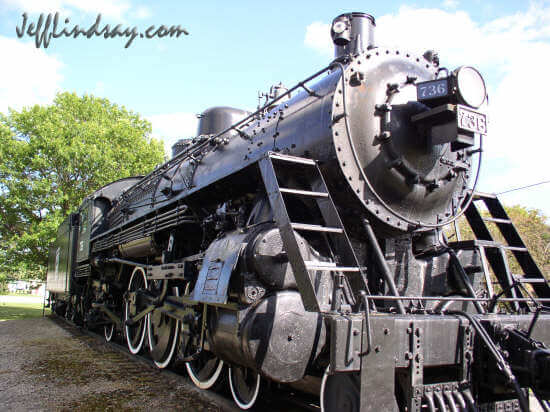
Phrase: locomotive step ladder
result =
(274, 167)
(495, 252)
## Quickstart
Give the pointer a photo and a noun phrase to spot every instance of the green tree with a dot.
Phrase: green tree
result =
(51, 157)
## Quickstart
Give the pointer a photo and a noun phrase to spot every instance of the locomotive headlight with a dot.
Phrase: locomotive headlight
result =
(470, 86)
(339, 27)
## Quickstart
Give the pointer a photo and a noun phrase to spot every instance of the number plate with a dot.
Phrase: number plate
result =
(432, 89)
(470, 120)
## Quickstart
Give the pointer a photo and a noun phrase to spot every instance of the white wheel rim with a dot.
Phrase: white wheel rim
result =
(208, 383)
(164, 364)
(323, 385)
(134, 350)
(109, 331)
(238, 401)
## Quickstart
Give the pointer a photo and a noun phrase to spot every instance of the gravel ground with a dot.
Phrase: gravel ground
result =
(46, 366)
(49, 366)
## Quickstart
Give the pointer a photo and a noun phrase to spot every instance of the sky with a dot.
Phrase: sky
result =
(236, 49)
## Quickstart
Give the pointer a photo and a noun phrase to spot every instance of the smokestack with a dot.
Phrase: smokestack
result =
(352, 33)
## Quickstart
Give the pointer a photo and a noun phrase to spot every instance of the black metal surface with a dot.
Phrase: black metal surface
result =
(216, 119)
(382, 264)
(276, 337)
(219, 262)
(61, 259)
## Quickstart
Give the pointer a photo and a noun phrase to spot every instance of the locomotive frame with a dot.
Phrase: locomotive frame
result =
(302, 244)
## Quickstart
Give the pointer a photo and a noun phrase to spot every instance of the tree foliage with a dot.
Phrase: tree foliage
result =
(51, 157)
(533, 229)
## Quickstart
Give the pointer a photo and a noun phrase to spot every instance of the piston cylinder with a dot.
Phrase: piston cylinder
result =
(138, 248)
(275, 337)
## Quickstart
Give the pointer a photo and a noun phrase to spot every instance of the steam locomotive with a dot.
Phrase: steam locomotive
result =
(304, 244)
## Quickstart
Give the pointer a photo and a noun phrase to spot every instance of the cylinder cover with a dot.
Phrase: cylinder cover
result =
(269, 260)
(276, 337)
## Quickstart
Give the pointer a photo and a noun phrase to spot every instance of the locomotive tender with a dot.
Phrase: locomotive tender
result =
(303, 244)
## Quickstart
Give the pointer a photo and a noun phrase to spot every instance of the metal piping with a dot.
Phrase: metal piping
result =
(451, 299)
(504, 366)
(382, 264)
(440, 402)
(465, 279)
(450, 401)
(460, 399)
(430, 400)
(125, 262)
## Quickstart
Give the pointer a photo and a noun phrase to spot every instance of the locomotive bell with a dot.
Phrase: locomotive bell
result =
(180, 146)
(352, 33)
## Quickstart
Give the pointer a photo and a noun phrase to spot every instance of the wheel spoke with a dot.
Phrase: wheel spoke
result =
(205, 371)
(339, 392)
(245, 386)
(109, 331)
(135, 334)
(163, 333)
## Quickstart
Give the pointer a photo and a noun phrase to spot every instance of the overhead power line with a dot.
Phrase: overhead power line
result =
(524, 187)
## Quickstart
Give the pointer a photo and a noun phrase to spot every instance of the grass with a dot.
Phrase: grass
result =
(15, 310)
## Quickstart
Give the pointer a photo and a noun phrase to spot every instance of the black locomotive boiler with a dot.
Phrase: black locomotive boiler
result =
(304, 245)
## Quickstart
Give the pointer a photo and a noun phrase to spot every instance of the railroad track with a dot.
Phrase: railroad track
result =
(273, 400)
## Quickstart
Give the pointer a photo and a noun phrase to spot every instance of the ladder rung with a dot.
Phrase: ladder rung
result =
(293, 159)
(329, 266)
(488, 244)
(316, 228)
(521, 279)
(481, 196)
(303, 192)
(515, 248)
(496, 220)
